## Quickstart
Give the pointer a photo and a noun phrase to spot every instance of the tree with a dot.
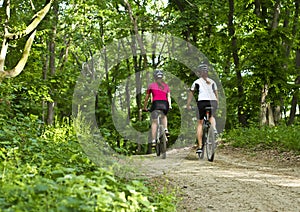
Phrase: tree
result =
(236, 59)
(29, 31)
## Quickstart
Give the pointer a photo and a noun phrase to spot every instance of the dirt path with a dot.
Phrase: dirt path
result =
(235, 181)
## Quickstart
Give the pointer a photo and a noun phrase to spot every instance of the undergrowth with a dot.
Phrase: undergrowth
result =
(45, 169)
(282, 138)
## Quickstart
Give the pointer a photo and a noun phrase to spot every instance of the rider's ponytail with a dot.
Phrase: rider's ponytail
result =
(160, 85)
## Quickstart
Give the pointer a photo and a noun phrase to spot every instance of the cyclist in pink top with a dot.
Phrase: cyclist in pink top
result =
(161, 100)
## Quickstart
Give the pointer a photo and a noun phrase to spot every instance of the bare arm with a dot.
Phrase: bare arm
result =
(190, 96)
(217, 95)
(169, 100)
(214, 87)
(146, 101)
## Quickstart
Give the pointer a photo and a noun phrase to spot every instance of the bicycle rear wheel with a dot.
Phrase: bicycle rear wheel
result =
(157, 145)
(201, 155)
(163, 143)
(157, 148)
(210, 145)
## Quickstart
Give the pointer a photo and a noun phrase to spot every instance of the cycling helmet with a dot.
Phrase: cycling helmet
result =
(202, 68)
(158, 74)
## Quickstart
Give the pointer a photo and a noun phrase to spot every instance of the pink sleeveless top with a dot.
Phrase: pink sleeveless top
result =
(158, 92)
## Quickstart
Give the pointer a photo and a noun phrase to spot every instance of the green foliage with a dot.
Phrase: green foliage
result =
(44, 170)
(284, 138)
(164, 194)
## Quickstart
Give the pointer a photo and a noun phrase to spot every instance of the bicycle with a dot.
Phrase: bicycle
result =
(208, 138)
(161, 137)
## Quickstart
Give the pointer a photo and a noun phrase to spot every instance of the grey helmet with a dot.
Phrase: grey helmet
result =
(158, 74)
(202, 68)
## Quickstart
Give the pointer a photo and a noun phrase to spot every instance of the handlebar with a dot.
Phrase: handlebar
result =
(196, 108)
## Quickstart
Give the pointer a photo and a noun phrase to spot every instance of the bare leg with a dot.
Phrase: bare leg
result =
(153, 128)
(199, 133)
(165, 122)
(213, 122)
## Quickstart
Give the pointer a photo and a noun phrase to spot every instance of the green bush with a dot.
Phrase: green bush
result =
(46, 170)
(284, 138)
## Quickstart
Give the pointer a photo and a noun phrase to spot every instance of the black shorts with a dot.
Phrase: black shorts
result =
(203, 104)
(161, 105)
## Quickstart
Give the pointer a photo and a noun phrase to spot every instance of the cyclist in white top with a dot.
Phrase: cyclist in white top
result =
(207, 97)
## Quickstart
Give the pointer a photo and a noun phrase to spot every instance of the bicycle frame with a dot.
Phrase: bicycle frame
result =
(160, 138)
(208, 138)
(158, 129)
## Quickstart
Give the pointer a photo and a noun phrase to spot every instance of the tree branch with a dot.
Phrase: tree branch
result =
(30, 30)
(22, 62)
(36, 20)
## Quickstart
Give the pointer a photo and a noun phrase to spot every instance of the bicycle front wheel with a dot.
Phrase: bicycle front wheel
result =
(210, 145)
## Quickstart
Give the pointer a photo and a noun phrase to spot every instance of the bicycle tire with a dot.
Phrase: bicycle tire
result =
(163, 143)
(210, 145)
(201, 155)
(157, 146)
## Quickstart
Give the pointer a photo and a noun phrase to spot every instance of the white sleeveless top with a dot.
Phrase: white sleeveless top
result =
(205, 90)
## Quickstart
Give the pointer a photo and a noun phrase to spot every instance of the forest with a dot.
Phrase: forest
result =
(73, 76)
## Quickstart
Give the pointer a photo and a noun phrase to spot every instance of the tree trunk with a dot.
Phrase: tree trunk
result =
(50, 117)
(276, 13)
(296, 92)
(264, 92)
(137, 68)
(293, 109)
(271, 120)
(51, 105)
(263, 105)
(267, 115)
(134, 48)
(240, 94)
(45, 58)
(297, 81)
(138, 89)
(277, 114)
